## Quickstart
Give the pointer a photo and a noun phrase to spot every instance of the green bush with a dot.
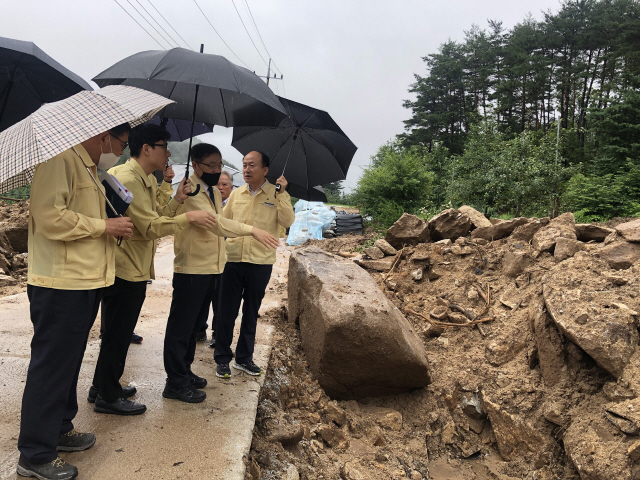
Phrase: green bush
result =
(396, 182)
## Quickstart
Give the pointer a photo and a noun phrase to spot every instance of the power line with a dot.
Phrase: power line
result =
(220, 36)
(138, 12)
(132, 18)
(259, 35)
(248, 34)
(158, 23)
(154, 7)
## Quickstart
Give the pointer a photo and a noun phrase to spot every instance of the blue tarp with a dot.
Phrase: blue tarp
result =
(311, 219)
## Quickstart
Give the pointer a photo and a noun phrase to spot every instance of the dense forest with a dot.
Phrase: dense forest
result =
(536, 120)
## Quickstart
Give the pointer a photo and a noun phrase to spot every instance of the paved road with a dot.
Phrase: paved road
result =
(172, 440)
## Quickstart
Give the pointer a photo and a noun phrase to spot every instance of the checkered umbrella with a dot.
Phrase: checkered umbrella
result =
(55, 127)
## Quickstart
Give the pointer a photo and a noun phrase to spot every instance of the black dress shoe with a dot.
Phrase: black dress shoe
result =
(55, 470)
(187, 395)
(127, 392)
(121, 406)
(198, 382)
(201, 337)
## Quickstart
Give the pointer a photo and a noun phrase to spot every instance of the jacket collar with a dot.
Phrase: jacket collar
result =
(137, 168)
(84, 156)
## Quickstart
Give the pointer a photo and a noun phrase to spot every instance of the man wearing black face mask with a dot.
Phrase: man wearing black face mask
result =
(199, 262)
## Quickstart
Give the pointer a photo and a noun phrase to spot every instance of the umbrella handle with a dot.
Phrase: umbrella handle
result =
(295, 137)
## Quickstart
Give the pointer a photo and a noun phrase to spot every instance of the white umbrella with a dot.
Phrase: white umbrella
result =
(56, 127)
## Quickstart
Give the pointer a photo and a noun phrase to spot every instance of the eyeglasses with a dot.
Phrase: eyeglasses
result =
(124, 144)
(161, 145)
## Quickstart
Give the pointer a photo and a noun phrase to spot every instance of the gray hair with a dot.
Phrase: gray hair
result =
(228, 174)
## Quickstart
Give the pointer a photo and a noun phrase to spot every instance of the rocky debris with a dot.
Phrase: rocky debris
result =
(583, 312)
(386, 248)
(596, 450)
(515, 437)
(634, 451)
(333, 436)
(526, 232)
(620, 254)
(381, 265)
(449, 224)
(587, 232)
(286, 434)
(350, 472)
(6, 281)
(386, 418)
(408, 230)
(477, 219)
(515, 262)
(539, 380)
(630, 230)
(347, 322)
(625, 416)
(373, 252)
(566, 247)
(549, 344)
(500, 229)
(563, 226)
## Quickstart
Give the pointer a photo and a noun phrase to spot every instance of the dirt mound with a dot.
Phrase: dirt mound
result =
(14, 220)
(513, 393)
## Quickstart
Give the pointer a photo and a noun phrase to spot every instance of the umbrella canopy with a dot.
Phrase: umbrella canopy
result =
(228, 95)
(314, 194)
(319, 150)
(55, 127)
(28, 78)
(180, 130)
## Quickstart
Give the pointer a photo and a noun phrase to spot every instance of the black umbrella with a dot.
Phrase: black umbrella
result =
(180, 130)
(206, 88)
(319, 150)
(28, 78)
(314, 194)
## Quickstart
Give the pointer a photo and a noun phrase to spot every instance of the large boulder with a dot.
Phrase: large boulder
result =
(450, 224)
(408, 230)
(498, 230)
(630, 230)
(562, 226)
(587, 232)
(590, 315)
(356, 341)
(620, 254)
(477, 218)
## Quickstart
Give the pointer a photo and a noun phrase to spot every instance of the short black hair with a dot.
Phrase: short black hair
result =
(120, 129)
(146, 134)
(202, 150)
(266, 161)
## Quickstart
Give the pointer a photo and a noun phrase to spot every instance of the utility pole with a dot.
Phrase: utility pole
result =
(268, 77)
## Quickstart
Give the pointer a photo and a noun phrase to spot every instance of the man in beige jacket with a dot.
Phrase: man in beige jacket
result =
(134, 262)
(71, 262)
(198, 265)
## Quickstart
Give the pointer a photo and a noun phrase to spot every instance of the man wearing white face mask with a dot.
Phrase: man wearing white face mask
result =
(71, 262)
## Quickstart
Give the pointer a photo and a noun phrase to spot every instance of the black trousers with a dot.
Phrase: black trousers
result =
(122, 304)
(189, 310)
(215, 297)
(61, 321)
(240, 282)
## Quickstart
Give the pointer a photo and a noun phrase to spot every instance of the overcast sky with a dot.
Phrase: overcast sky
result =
(354, 59)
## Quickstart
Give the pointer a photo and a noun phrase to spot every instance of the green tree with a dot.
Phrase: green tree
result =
(396, 183)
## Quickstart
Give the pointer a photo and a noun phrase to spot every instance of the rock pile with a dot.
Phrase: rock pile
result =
(13, 243)
(531, 328)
